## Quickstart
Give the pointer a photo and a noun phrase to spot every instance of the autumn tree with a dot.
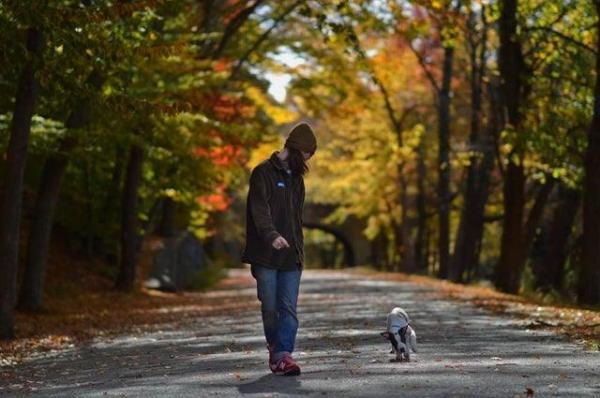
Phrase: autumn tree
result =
(469, 235)
(10, 210)
(589, 279)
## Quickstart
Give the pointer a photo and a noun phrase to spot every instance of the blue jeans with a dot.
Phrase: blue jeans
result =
(278, 295)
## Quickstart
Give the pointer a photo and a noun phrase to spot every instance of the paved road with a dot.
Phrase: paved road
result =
(464, 352)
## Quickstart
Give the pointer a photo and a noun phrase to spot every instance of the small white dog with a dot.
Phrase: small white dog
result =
(400, 334)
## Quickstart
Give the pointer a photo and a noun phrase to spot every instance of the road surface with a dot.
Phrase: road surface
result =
(463, 352)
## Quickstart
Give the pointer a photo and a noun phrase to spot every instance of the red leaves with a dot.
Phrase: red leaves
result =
(228, 108)
(217, 201)
(222, 65)
(225, 155)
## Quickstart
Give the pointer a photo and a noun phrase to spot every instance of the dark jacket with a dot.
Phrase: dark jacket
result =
(274, 208)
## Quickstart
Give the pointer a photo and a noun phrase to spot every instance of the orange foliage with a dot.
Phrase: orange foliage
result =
(222, 65)
(223, 156)
(228, 108)
(217, 201)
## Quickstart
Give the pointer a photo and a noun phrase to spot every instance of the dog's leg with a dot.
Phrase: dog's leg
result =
(400, 347)
(386, 335)
(395, 348)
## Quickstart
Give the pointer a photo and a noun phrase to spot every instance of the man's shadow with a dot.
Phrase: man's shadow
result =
(274, 383)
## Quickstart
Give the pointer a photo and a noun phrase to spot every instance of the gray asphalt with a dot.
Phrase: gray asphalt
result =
(463, 352)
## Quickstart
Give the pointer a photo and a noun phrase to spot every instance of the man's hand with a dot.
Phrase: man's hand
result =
(280, 243)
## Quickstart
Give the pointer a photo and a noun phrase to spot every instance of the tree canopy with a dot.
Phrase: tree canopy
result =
(457, 133)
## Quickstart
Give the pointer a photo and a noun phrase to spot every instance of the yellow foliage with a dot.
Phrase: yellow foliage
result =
(280, 115)
(263, 151)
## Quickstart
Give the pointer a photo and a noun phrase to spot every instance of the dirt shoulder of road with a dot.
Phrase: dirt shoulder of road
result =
(76, 318)
(579, 324)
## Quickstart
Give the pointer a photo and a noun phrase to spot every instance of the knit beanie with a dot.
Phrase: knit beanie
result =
(302, 138)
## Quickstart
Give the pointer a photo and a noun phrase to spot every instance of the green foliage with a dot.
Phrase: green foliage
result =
(159, 88)
(557, 41)
(162, 76)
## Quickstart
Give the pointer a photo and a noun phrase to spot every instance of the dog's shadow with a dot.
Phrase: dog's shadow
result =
(273, 383)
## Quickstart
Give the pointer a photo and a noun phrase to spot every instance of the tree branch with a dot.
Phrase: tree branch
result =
(263, 37)
(233, 26)
(563, 36)
(396, 124)
(423, 64)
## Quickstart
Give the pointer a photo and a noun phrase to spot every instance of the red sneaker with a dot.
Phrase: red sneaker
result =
(285, 366)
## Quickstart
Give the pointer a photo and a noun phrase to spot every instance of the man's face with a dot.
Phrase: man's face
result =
(307, 155)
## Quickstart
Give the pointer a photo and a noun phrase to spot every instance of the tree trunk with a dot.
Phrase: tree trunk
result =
(508, 278)
(474, 239)
(548, 267)
(470, 230)
(89, 238)
(535, 215)
(408, 257)
(112, 194)
(10, 210)
(396, 246)
(30, 298)
(167, 219)
(511, 63)
(375, 256)
(129, 235)
(379, 252)
(404, 242)
(420, 241)
(589, 279)
(444, 164)
(31, 293)
(508, 269)
(426, 251)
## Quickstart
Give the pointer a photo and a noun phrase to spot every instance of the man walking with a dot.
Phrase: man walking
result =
(275, 243)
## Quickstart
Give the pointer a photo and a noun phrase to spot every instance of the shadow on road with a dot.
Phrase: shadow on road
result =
(461, 349)
(271, 383)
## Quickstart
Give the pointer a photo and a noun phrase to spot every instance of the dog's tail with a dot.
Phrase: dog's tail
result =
(412, 341)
